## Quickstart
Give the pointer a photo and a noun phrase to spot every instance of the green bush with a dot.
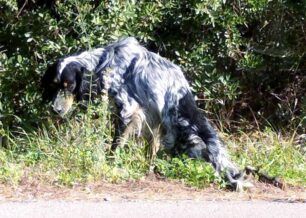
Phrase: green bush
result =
(243, 58)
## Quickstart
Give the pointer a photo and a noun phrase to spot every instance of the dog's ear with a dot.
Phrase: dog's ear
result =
(48, 83)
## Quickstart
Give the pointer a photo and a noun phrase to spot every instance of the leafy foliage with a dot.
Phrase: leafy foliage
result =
(243, 58)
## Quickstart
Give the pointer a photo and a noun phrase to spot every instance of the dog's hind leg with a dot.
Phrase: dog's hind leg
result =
(202, 141)
(213, 151)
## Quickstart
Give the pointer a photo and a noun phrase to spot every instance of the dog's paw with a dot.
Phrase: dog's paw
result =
(241, 185)
(238, 182)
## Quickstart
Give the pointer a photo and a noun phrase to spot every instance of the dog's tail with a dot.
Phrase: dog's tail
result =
(202, 141)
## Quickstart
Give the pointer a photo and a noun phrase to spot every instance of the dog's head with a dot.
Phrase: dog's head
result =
(62, 85)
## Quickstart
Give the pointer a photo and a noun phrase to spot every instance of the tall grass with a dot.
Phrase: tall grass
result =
(271, 153)
(76, 151)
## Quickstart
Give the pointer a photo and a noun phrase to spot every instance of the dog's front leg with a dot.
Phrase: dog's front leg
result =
(124, 132)
(129, 123)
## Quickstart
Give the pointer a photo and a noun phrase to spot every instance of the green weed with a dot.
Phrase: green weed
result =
(76, 152)
(271, 153)
(189, 171)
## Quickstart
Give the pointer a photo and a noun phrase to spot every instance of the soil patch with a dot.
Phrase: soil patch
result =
(148, 188)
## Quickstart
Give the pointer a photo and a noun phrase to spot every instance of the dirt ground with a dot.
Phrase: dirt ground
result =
(149, 188)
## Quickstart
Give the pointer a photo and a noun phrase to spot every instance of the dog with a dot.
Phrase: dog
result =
(151, 94)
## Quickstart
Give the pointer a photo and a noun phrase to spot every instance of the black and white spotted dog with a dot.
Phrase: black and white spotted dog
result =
(149, 92)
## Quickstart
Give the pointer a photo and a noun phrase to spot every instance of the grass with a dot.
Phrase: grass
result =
(75, 152)
(273, 154)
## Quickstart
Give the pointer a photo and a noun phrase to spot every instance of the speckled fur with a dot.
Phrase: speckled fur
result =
(149, 92)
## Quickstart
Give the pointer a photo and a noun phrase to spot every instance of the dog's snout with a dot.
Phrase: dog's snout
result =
(62, 103)
(57, 109)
